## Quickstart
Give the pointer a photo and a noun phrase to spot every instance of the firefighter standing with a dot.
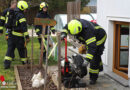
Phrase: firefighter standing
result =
(3, 18)
(16, 38)
(38, 28)
(94, 37)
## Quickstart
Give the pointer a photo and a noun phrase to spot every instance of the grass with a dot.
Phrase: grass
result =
(9, 74)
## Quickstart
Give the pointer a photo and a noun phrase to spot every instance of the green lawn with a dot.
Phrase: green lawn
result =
(9, 74)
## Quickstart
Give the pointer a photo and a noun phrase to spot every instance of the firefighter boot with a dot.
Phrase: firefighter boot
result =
(7, 64)
(100, 68)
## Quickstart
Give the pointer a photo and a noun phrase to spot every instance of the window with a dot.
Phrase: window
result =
(121, 49)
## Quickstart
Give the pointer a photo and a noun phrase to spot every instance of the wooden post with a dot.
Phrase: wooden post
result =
(32, 50)
(42, 47)
(59, 60)
(47, 52)
(73, 12)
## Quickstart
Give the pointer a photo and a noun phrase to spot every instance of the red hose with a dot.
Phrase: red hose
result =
(66, 60)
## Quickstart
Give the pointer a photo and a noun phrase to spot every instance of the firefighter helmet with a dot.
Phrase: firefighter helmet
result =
(74, 27)
(22, 5)
(43, 5)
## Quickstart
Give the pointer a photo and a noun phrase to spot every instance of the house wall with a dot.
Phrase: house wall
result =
(107, 12)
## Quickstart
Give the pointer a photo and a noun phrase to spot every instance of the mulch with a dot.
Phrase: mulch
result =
(26, 75)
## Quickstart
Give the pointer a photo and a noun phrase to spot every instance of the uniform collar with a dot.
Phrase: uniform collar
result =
(43, 12)
(18, 10)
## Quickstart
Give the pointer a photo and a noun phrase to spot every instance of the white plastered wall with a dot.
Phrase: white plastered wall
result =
(107, 12)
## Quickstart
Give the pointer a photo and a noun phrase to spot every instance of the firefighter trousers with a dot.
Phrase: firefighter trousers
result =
(96, 65)
(19, 43)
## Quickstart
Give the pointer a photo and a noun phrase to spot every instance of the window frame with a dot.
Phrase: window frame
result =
(116, 48)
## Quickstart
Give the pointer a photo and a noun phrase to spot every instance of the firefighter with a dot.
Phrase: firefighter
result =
(18, 35)
(3, 18)
(43, 13)
(94, 37)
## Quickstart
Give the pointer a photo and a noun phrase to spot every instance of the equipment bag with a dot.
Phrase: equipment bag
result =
(10, 19)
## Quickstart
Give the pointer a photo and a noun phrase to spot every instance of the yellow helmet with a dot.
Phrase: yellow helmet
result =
(22, 5)
(74, 27)
(43, 4)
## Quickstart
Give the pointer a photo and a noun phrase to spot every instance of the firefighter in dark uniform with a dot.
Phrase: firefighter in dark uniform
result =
(38, 28)
(3, 18)
(94, 37)
(101, 47)
(18, 35)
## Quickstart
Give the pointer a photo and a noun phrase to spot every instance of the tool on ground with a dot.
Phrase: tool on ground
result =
(72, 70)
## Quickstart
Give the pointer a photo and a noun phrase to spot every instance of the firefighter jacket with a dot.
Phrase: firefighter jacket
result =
(38, 28)
(92, 35)
(20, 28)
(2, 19)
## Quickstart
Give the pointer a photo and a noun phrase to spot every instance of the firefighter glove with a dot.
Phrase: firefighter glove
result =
(6, 37)
(82, 49)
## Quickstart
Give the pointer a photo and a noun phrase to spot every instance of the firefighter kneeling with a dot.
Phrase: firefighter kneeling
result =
(94, 37)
